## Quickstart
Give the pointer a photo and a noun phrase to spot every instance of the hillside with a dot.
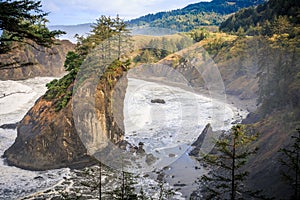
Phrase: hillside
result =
(260, 74)
(275, 25)
(259, 20)
(194, 15)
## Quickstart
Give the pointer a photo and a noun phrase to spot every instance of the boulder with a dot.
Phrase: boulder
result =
(161, 101)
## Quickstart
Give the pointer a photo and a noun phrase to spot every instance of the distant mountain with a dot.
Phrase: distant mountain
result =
(185, 19)
(194, 15)
(84, 29)
(72, 30)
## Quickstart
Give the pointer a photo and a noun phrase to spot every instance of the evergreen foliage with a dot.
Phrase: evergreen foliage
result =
(278, 73)
(23, 21)
(272, 17)
(227, 178)
(107, 39)
(194, 15)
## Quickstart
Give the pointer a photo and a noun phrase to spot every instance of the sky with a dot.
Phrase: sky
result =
(71, 12)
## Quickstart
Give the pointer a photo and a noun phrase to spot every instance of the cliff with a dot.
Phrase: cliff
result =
(48, 138)
(24, 61)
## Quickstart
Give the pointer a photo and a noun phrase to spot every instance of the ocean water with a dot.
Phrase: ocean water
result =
(166, 130)
(170, 128)
(16, 98)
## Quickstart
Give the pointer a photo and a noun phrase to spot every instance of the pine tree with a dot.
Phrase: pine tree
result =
(227, 178)
(23, 21)
(126, 189)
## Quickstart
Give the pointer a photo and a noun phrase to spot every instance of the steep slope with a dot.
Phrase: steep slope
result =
(243, 62)
(48, 138)
(24, 61)
(257, 20)
(278, 114)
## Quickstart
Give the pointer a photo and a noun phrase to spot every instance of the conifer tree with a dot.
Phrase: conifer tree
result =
(227, 178)
(126, 189)
(23, 21)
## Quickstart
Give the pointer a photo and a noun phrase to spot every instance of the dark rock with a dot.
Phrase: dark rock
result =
(171, 155)
(141, 151)
(167, 168)
(198, 143)
(141, 143)
(160, 176)
(123, 144)
(179, 185)
(251, 118)
(161, 101)
(201, 137)
(150, 159)
(38, 178)
(146, 175)
(10, 126)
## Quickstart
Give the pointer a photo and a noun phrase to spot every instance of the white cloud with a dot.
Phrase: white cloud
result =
(79, 11)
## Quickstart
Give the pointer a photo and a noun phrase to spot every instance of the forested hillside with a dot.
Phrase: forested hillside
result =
(194, 15)
(258, 59)
(275, 16)
(275, 28)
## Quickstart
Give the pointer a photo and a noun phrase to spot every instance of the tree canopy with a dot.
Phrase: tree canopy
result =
(24, 21)
(194, 15)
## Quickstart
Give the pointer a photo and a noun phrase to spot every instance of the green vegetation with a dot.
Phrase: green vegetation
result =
(275, 42)
(108, 37)
(187, 22)
(194, 15)
(276, 25)
(159, 48)
(272, 17)
(279, 75)
(23, 21)
(198, 34)
(227, 178)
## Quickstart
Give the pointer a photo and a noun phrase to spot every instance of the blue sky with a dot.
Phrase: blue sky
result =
(69, 12)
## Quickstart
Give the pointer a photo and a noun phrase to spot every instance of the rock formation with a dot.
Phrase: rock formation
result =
(25, 62)
(48, 138)
(200, 140)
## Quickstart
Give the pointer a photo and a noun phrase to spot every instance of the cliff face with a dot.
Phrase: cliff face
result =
(26, 62)
(48, 139)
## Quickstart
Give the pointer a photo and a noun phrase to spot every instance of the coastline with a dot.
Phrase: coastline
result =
(248, 105)
(58, 188)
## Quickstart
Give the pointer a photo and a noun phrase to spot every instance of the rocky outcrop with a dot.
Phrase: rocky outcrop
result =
(161, 101)
(49, 139)
(25, 62)
(9, 126)
(200, 140)
(46, 139)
